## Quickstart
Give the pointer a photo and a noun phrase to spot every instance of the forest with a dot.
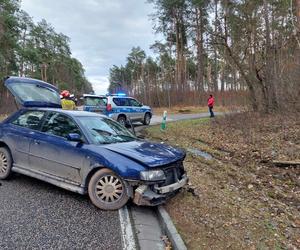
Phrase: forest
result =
(246, 53)
(36, 50)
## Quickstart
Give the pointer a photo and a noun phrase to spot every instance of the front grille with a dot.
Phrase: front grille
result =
(173, 173)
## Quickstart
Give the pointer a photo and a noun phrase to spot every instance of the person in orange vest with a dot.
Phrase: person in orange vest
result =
(66, 101)
(210, 104)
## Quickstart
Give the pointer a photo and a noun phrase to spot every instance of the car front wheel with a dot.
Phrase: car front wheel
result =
(107, 191)
(5, 163)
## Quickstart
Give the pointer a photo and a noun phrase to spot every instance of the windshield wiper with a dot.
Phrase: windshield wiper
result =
(116, 137)
(125, 136)
(102, 132)
(105, 142)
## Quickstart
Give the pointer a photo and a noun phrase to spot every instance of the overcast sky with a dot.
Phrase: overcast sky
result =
(102, 32)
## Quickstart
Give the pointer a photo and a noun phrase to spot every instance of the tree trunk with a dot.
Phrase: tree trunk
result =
(247, 78)
(180, 54)
(298, 15)
(199, 44)
(215, 79)
(271, 101)
(222, 83)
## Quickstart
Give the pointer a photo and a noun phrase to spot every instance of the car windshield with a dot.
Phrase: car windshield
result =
(95, 101)
(105, 131)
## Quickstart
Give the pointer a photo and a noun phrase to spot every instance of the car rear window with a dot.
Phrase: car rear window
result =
(95, 101)
(34, 92)
(121, 101)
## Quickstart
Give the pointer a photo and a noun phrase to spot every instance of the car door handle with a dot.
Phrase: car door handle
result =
(36, 142)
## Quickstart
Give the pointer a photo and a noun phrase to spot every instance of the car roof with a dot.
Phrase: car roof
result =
(76, 113)
(90, 95)
(115, 96)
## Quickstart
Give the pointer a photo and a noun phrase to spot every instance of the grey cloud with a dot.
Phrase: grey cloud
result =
(102, 32)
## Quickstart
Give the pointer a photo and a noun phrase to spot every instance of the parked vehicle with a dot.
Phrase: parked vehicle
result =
(95, 103)
(118, 107)
(84, 152)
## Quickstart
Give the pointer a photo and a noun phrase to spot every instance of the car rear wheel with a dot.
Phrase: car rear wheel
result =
(5, 163)
(147, 119)
(122, 120)
(107, 191)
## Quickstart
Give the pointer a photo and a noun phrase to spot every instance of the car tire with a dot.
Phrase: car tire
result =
(5, 163)
(147, 119)
(122, 120)
(107, 190)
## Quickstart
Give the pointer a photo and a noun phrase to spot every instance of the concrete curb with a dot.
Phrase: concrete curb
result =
(127, 234)
(147, 228)
(170, 230)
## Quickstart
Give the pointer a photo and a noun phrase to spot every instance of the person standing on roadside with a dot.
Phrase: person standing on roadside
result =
(67, 102)
(210, 104)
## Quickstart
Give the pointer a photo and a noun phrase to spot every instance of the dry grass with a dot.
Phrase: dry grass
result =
(242, 201)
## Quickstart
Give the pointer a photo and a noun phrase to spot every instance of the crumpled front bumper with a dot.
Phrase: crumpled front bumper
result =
(153, 195)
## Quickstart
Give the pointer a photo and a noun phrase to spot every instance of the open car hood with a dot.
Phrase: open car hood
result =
(147, 153)
(33, 93)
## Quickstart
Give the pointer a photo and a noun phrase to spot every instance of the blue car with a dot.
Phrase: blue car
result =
(84, 152)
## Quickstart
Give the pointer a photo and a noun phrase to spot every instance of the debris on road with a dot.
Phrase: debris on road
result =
(167, 242)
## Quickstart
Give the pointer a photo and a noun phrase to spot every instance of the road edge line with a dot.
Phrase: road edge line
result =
(127, 235)
(170, 229)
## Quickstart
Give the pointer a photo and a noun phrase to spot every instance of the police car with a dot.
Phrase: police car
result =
(118, 107)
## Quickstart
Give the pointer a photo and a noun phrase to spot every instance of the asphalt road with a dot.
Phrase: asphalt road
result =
(178, 117)
(37, 215)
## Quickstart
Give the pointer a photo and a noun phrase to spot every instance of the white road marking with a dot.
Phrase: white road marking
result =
(128, 240)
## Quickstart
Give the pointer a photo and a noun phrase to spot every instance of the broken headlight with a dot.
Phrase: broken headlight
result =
(153, 175)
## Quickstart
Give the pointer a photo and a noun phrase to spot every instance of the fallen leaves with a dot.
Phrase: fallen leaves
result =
(236, 199)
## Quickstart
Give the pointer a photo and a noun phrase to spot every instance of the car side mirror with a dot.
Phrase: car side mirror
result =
(141, 104)
(74, 137)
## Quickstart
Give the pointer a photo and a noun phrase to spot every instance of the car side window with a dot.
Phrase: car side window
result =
(30, 119)
(121, 101)
(60, 125)
(134, 103)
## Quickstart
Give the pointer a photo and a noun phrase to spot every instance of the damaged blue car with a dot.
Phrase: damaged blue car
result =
(84, 152)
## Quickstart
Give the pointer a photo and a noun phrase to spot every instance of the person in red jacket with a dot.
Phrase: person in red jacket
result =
(210, 104)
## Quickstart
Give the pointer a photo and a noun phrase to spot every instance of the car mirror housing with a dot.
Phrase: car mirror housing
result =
(74, 137)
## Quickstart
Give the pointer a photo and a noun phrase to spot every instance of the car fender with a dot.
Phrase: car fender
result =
(127, 118)
(99, 157)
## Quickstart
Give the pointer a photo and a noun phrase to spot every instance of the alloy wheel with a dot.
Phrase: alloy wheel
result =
(3, 163)
(109, 189)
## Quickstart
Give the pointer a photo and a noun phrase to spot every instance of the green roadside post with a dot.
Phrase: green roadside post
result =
(164, 120)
